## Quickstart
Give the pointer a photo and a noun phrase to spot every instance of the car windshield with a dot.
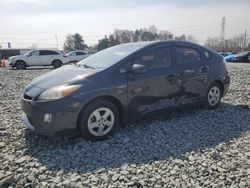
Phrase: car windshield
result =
(110, 56)
(28, 53)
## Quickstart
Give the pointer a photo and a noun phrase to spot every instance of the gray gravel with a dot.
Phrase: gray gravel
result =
(187, 148)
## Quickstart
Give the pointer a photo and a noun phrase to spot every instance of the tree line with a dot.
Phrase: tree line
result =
(119, 36)
(235, 44)
(147, 34)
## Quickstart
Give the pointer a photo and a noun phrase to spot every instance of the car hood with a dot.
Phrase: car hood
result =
(16, 56)
(65, 75)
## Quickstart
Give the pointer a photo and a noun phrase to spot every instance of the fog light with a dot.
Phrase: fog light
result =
(47, 118)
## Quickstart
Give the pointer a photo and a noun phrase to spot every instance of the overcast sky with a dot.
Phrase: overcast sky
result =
(27, 22)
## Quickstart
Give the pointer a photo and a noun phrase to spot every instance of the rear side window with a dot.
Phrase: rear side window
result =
(80, 53)
(186, 55)
(157, 58)
(207, 54)
(48, 52)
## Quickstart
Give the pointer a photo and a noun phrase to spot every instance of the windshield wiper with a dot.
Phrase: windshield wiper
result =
(88, 67)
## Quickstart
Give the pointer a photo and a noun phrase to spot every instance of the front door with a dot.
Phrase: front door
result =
(152, 90)
(34, 59)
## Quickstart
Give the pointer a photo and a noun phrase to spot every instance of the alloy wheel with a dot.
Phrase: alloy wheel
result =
(214, 96)
(101, 121)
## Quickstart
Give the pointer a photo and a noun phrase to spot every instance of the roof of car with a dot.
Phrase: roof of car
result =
(159, 42)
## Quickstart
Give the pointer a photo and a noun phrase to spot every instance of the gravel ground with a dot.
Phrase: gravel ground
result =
(191, 148)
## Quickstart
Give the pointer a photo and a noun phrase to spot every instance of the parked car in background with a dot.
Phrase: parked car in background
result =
(241, 57)
(76, 56)
(229, 58)
(42, 57)
(123, 83)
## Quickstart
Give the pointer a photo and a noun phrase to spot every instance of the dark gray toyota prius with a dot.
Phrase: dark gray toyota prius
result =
(123, 83)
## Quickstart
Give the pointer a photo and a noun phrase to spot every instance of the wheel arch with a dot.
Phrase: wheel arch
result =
(56, 60)
(221, 84)
(109, 98)
(20, 60)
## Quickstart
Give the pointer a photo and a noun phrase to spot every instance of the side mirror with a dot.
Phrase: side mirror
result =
(138, 68)
(28, 55)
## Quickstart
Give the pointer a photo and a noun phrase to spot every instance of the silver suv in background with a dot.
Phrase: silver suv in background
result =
(76, 56)
(42, 57)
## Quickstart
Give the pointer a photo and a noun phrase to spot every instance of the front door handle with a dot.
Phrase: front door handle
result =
(204, 69)
(170, 76)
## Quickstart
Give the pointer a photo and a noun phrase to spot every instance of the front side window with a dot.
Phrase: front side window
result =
(34, 53)
(72, 54)
(154, 59)
(186, 55)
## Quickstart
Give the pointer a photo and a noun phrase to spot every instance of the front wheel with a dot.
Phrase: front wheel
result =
(99, 120)
(20, 65)
(213, 96)
(56, 64)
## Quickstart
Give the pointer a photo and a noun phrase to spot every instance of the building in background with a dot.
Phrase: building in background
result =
(5, 53)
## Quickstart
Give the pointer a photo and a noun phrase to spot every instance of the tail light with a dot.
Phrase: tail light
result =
(65, 56)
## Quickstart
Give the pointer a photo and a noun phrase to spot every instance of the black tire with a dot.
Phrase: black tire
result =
(213, 87)
(56, 64)
(20, 65)
(87, 113)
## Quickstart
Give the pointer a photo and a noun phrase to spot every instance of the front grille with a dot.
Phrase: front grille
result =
(27, 97)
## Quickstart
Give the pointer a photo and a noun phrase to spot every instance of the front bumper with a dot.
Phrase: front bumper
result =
(27, 123)
(50, 118)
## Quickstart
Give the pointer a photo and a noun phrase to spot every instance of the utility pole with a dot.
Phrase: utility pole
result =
(56, 41)
(222, 35)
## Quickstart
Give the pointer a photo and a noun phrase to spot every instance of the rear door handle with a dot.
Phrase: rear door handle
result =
(204, 69)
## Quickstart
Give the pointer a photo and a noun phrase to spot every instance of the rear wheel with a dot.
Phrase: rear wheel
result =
(20, 65)
(213, 96)
(56, 64)
(99, 120)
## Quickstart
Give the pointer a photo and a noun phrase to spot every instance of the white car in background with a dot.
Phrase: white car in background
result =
(76, 56)
(42, 57)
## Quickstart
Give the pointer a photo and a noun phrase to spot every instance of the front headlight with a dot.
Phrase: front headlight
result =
(58, 92)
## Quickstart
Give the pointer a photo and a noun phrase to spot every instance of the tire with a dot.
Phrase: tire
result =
(99, 120)
(56, 64)
(20, 65)
(213, 96)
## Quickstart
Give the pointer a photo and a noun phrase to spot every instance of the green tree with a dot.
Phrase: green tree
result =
(113, 41)
(147, 36)
(103, 43)
(74, 42)
(182, 37)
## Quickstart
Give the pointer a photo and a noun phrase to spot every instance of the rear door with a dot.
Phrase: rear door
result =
(190, 72)
(47, 56)
(152, 90)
